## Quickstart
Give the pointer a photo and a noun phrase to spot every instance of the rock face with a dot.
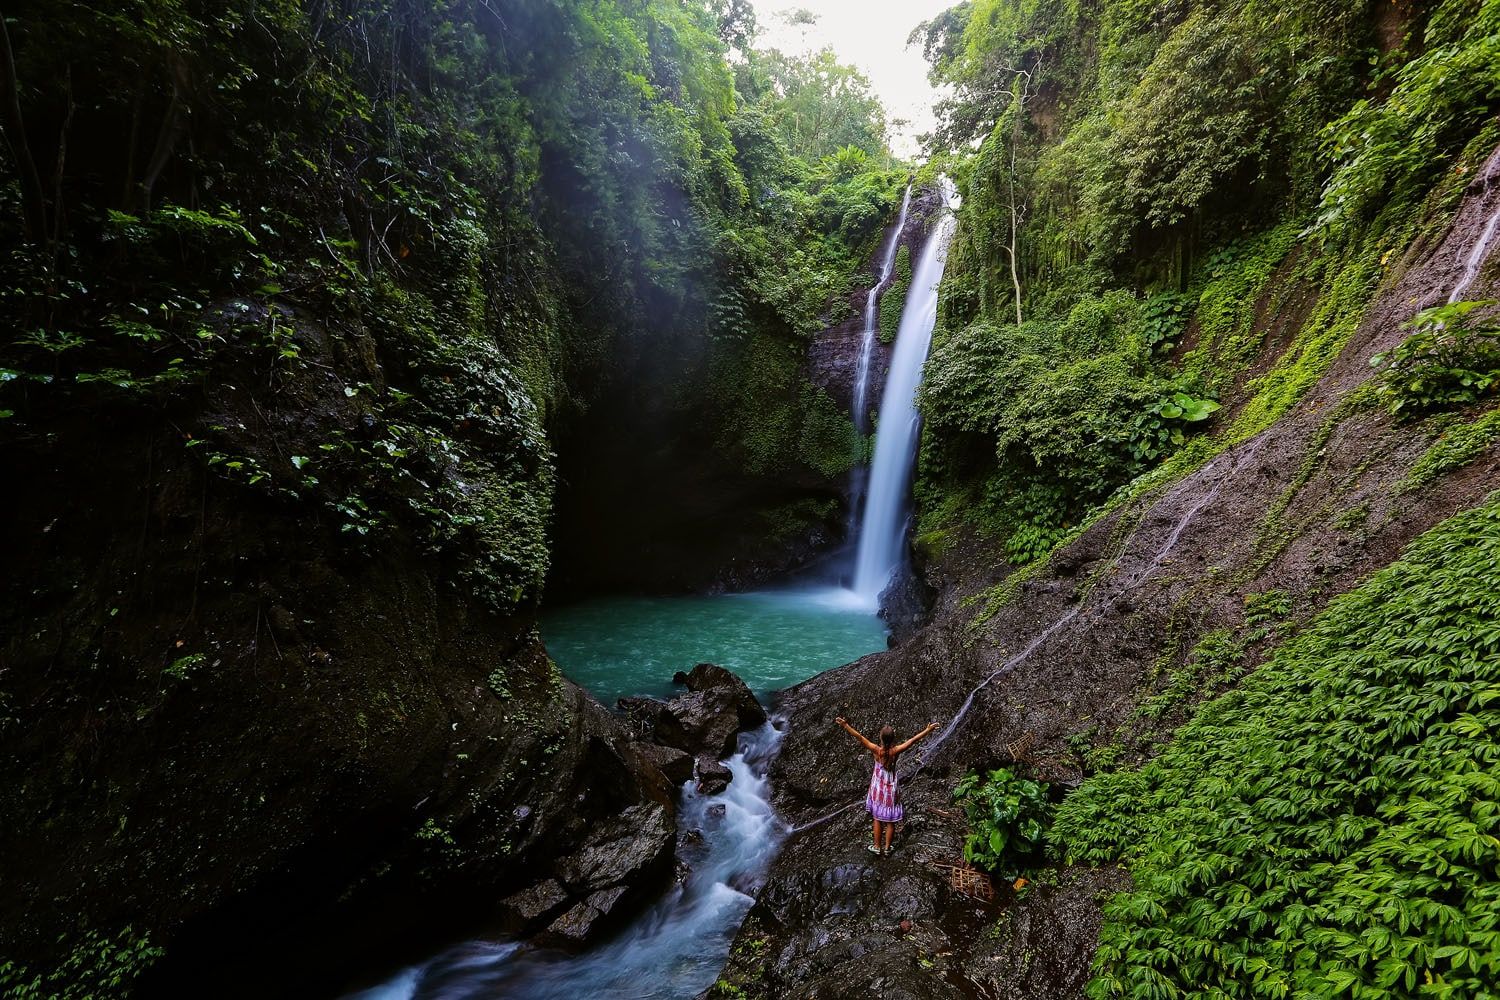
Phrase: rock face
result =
(245, 733)
(1307, 508)
(833, 356)
(705, 720)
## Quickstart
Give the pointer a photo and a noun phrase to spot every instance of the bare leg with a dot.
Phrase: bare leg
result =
(877, 835)
(890, 828)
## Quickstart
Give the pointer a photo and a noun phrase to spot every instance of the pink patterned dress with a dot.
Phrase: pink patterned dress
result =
(884, 797)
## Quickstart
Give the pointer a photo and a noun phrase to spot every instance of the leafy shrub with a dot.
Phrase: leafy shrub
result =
(96, 966)
(1008, 818)
(1448, 360)
(1387, 150)
(1331, 827)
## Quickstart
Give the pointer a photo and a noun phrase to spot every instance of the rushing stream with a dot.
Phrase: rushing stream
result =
(633, 645)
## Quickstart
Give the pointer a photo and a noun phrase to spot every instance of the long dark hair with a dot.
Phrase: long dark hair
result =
(887, 741)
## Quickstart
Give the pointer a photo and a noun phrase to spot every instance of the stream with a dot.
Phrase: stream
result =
(633, 645)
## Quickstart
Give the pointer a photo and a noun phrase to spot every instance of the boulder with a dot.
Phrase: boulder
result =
(642, 714)
(706, 677)
(521, 911)
(619, 850)
(713, 777)
(706, 719)
(576, 927)
(674, 763)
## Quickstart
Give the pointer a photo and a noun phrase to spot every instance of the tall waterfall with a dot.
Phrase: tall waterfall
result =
(872, 317)
(882, 526)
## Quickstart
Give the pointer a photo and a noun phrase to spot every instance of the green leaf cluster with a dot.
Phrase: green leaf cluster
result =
(1332, 827)
(1008, 818)
(1451, 358)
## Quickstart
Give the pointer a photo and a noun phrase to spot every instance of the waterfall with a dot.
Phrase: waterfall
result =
(882, 524)
(859, 475)
(872, 317)
(1481, 247)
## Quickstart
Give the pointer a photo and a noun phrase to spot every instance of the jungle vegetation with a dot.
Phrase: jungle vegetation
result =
(1139, 178)
(518, 205)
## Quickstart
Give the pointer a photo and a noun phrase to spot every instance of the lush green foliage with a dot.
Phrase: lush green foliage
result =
(485, 217)
(1457, 445)
(1008, 818)
(1332, 827)
(1449, 359)
(893, 300)
(1067, 410)
(1392, 148)
(1158, 164)
(95, 966)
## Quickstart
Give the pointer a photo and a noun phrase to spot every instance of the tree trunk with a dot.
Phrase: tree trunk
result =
(33, 201)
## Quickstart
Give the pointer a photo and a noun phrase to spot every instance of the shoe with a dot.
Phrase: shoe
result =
(872, 849)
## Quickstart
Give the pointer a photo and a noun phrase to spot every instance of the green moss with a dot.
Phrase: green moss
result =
(893, 300)
(1454, 448)
(1331, 824)
(1236, 282)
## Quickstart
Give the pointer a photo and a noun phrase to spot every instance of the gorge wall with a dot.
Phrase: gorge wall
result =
(327, 329)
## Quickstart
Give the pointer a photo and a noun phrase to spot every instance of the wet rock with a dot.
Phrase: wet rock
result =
(642, 714)
(707, 719)
(571, 929)
(523, 910)
(713, 777)
(621, 850)
(676, 765)
(905, 604)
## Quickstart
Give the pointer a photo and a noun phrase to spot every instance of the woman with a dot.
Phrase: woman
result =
(884, 798)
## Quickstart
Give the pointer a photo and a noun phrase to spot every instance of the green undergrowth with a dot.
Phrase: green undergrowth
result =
(1458, 443)
(92, 967)
(893, 300)
(1331, 827)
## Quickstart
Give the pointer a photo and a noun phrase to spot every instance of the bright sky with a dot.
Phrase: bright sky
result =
(869, 34)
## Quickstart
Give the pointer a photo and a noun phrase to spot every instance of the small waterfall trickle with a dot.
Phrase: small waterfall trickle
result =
(1481, 247)
(881, 529)
(872, 318)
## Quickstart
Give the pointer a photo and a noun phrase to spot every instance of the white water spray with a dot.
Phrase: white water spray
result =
(675, 949)
(872, 317)
(883, 522)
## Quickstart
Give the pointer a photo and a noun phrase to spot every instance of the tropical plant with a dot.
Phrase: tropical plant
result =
(1008, 818)
(1451, 358)
(1331, 828)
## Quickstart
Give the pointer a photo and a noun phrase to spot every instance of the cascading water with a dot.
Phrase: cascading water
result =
(859, 475)
(1481, 247)
(872, 318)
(675, 949)
(882, 524)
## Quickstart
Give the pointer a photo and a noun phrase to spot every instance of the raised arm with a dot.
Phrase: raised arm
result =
(844, 723)
(903, 747)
